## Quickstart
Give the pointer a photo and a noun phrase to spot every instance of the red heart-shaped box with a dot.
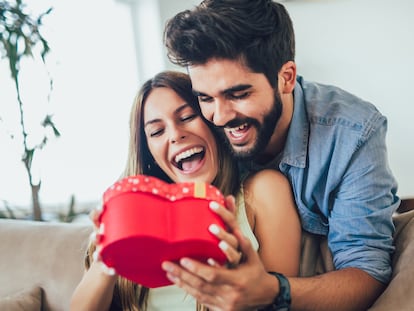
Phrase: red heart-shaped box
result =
(146, 221)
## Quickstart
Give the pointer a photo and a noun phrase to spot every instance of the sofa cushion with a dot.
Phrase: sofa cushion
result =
(399, 293)
(25, 300)
(48, 255)
(317, 259)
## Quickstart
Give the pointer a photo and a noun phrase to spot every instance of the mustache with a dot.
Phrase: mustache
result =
(238, 122)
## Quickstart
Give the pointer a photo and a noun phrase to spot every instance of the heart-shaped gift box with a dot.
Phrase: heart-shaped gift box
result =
(146, 221)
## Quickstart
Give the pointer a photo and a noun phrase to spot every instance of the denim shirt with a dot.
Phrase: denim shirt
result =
(335, 158)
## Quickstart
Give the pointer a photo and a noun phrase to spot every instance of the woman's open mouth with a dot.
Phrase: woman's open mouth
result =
(190, 159)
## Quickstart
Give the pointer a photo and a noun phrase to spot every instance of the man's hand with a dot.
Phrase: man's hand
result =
(245, 287)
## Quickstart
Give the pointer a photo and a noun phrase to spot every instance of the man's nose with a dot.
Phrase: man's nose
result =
(223, 113)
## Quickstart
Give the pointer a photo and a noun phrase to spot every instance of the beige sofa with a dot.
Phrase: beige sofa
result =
(41, 264)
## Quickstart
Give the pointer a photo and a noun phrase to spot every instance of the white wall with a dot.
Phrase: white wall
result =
(366, 47)
(363, 46)
(92, 63)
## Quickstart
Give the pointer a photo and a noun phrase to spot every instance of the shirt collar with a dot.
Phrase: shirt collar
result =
(295, 150)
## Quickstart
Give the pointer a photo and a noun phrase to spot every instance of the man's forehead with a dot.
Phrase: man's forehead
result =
(218, 76)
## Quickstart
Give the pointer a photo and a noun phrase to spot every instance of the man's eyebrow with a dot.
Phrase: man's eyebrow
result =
(236, 88)
(197, 93)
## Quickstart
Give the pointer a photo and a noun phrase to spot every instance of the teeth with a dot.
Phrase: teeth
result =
(187, 154)
(239, 128)
(236, 134)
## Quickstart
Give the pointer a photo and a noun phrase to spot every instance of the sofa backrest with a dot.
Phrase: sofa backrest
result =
(46, 255)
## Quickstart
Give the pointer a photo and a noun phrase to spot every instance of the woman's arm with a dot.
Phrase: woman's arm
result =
(95, 291)
(268, 196)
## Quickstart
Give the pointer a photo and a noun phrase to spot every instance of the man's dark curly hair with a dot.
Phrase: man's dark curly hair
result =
(258, 33)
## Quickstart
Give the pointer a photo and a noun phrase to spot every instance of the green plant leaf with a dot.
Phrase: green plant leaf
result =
(49, 122)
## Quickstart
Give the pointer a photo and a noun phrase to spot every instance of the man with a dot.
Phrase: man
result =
(329, 143)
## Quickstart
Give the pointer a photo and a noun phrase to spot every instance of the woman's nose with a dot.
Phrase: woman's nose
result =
(177, 137)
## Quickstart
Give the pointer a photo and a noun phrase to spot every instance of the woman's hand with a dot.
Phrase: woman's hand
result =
(228, 242)
(96, 238)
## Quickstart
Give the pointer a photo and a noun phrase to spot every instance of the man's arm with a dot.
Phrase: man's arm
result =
(346, 289)
(249, 286)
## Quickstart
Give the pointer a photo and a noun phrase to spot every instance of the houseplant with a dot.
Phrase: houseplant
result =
(20, 37)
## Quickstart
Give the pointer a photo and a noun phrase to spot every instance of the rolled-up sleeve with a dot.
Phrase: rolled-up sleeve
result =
(360, 219)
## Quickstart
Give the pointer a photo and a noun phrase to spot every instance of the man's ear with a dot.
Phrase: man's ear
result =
(287, 77)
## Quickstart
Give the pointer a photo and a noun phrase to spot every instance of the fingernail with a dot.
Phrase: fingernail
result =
(111, 271)
(223, 245)
(185, 263)
(214, 229)
(95, 256)
(172, 278)
(167, 267)
(211, 262)
(214, 205)
(108, 270)
(92, 236)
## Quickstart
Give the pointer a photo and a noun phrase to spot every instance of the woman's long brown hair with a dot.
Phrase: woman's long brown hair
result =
(129, 296)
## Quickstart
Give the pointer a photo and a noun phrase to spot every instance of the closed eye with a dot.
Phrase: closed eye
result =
(189, 117)
(156, 132)
(238, 95)
(205, 99)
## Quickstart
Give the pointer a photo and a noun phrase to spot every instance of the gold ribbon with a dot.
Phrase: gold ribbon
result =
(199, 190)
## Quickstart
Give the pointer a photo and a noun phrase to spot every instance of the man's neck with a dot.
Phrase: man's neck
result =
(278, 139)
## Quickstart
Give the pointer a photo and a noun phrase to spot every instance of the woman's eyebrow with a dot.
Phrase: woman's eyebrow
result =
(176, 111)
(182, 107)
(151, 122)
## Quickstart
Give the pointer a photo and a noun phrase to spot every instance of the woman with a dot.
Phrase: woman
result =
(169, 140)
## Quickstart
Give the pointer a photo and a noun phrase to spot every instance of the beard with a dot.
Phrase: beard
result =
(264, 131)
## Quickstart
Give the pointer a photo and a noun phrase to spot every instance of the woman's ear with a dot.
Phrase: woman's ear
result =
(287, 77)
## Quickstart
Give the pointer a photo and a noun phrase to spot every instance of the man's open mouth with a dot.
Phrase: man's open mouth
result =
(237, 132)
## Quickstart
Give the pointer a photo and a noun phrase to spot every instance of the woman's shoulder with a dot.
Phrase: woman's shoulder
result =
(264, 179)
(266, 187)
